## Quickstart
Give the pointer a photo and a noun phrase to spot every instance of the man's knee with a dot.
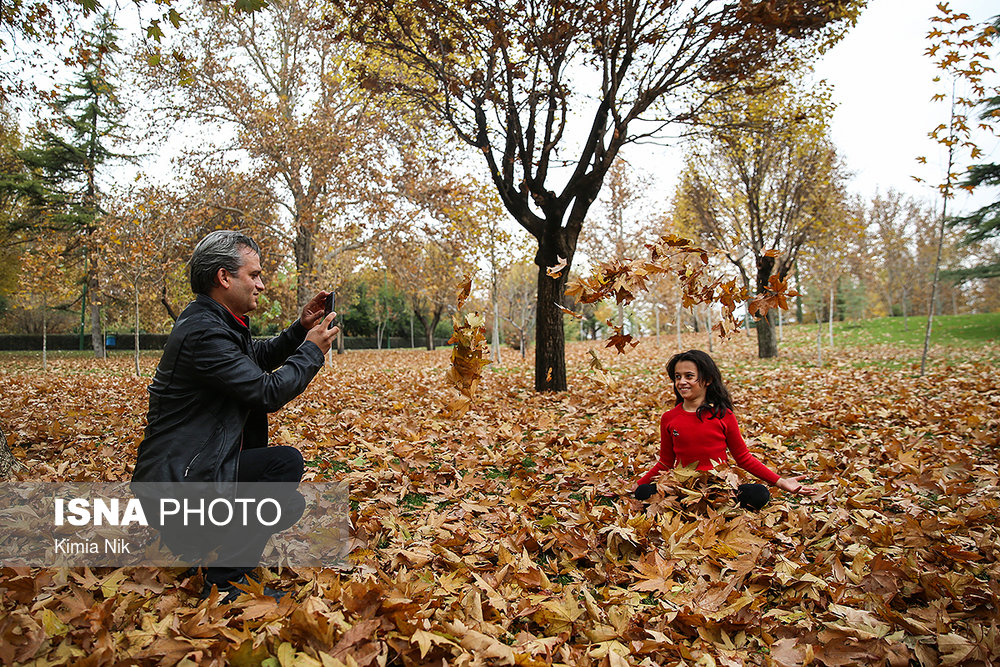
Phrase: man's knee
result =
(290, 465)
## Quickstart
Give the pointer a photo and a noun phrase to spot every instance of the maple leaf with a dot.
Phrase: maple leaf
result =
(556, 269)
(468, 356)
(619, 340)
(600, 374)
(572, 313)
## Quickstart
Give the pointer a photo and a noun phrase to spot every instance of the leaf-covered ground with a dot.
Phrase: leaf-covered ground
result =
(508, 536)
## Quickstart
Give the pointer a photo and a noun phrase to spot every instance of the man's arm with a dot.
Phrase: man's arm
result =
(219, 359)
(273, 352)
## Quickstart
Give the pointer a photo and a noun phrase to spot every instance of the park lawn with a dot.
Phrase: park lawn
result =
(966, 330)
(509, 534)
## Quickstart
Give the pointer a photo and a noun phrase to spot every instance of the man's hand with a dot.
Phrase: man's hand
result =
(321, 335)
(312, 312)
(792, 485)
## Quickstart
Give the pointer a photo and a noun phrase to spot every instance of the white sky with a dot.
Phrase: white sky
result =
(882, 84)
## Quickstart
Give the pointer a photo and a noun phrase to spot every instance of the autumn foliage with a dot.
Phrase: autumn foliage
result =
(511, 537)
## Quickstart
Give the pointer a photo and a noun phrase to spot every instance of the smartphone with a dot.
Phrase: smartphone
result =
(328, 307)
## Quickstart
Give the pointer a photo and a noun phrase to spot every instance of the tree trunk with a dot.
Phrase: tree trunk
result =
(830, 318)
(767, 341)
(96, 334)
(135, 338)
(657, 310)
(495, 342)
(305, 256)
(45, 333)
(819, 339)
(798, 299)
(679, 348)
(550, 342)
(495, 299)
(906, 326)
(708, 322)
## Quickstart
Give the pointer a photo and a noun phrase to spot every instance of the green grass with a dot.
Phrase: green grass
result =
(970, 330)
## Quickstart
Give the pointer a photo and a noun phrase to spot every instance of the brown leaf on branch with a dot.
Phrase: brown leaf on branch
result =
(774, 297)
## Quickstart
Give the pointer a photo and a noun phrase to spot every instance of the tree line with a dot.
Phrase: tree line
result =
(341, 139)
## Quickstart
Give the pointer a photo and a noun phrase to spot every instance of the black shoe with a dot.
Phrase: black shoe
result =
(230, 592)
(644, 491)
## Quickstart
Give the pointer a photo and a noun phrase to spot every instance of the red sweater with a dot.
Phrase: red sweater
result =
(686, 439)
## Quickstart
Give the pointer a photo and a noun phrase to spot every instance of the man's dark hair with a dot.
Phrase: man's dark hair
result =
(221, 249)
(717, 398)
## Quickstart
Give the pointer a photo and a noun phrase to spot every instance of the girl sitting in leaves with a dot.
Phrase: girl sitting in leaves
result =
(701, 427)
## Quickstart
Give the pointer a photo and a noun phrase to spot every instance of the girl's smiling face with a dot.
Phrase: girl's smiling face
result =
(689, 385)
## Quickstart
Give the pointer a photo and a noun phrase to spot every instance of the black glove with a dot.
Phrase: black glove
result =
(644, 491)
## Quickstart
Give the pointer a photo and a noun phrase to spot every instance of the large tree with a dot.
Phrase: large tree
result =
(548, 92)
(64, 160)
(762, 184)
(270, 90)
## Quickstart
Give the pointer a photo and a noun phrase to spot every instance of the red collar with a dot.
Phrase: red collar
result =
(244, 321)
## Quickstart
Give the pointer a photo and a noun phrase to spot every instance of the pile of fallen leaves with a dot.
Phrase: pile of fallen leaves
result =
(510, 536)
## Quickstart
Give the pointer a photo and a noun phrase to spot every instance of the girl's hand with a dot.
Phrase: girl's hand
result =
(792, 485)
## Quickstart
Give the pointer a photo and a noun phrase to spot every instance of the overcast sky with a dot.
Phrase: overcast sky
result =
(882, 85)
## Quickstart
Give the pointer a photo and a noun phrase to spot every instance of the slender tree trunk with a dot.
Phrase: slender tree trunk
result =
(45, 333)
(906, 323)
(494, 299)
(305, 257)
(799, 318)
(135, 339)
(830, 318)
(940, 241)
(550, 340)
(819, 338)
(657, 311)
(96, 333)
(708, 319)
(679, 348)
(340, 339)
(781, 324)
(495, 353)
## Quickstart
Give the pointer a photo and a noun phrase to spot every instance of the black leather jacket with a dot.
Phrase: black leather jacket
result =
(212, 391)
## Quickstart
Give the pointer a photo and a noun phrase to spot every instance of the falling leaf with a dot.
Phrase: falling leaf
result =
(556, 269)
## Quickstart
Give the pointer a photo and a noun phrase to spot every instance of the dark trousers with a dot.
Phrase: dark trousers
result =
(748, 496)
(752, 497)
(264, 464)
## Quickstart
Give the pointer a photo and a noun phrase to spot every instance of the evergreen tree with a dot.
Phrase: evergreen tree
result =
(984, 223)
(64, 161)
